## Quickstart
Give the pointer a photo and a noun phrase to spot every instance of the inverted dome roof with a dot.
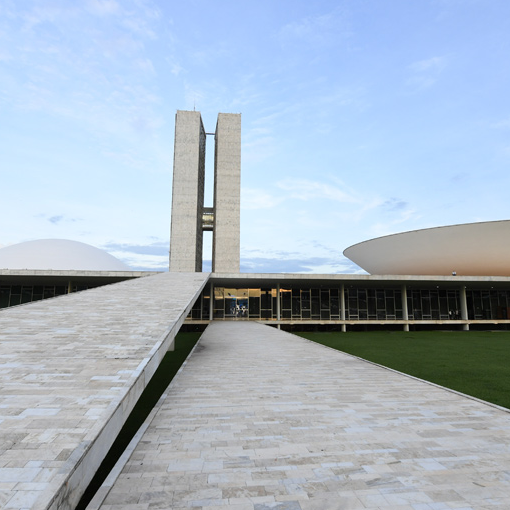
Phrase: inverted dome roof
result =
(58, 254)
(471, 249)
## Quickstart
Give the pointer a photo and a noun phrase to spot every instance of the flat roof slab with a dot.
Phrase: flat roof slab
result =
(260, 419)
(71, 370)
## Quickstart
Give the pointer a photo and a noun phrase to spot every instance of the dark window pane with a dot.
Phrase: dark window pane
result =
(15, 299)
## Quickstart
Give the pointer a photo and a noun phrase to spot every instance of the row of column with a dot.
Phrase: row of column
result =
(405, 312)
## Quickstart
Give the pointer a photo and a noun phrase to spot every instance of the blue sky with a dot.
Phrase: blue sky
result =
(360, 118)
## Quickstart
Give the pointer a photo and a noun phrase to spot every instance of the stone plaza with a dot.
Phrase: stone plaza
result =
(260, 419)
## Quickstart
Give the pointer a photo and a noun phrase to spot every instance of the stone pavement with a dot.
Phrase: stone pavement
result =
(259, 419)
(71, 370)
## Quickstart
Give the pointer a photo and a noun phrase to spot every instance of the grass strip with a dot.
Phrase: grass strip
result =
(475, 363)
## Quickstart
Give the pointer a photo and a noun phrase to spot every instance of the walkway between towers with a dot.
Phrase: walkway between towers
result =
(259, 419)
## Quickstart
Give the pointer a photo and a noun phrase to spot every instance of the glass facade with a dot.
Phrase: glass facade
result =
(12, 295)
(297, 303)
(488, 304)
(373, 304)
(436, 304)
(361, 303)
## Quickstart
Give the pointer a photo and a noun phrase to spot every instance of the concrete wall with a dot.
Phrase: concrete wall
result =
(227, 194)
(187, 193)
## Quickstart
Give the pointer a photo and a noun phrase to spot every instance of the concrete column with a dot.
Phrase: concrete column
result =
(227, 194)
(211, 301)
(187, 193)
(278, 314)
(405, 312)
(69, 287)
(342, 307)
(463, 307)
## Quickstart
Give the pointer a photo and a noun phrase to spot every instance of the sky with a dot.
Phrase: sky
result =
(360, 118)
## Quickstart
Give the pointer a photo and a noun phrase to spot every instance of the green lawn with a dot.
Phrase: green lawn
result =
(475, 363)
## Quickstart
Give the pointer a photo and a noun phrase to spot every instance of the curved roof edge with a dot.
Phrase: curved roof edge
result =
(474, 249)
(58, 254)
(425, 230)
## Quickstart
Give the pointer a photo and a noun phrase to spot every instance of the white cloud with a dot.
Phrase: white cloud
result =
(502, 124)
(393, 224)
(194, 97)
(5, 56)
(176, 69)
(145, 65)
(139, 26)
(102, 77)
(103, 7)
(140, 261)
(253, 199)
(320, 30)
(425, 73)
(303, 189)
(433, 63)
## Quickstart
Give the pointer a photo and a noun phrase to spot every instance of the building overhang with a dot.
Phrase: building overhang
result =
(63, 277)
(251, 280)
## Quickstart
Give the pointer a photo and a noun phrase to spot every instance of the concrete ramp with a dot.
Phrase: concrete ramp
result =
(259, 419)
(71, 370)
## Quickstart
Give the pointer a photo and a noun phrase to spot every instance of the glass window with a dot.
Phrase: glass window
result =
(398, 300)
(196, 310)
(265, 299)
(335, 304)
(371, 303)
(305, 300)
(324, 299)
(15, 299)
(296, 304)
(60, 290)
(49, 292)
(5, 292)
(285, 298)
(254, 304)
(219, 312)
(315, 303)
(26, 294)
(206, 303)
(353, 306)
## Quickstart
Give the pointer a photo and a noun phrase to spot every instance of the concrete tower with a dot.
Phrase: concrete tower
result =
(187, 193)
(227, 194)
(189, 216)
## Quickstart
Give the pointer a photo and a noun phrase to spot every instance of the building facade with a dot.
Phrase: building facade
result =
(350, 302)
(434, 278)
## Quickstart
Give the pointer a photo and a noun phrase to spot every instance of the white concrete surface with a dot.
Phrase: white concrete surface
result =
(71, 370)
(259, 419)
(473, 249)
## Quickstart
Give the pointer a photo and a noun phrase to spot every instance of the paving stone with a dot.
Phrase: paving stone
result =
(261, 419)
(71, 369)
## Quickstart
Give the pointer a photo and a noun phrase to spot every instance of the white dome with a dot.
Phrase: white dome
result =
(472, 249)
(58, 254)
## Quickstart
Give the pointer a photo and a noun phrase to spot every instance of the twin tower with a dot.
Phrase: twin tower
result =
(189, 216)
